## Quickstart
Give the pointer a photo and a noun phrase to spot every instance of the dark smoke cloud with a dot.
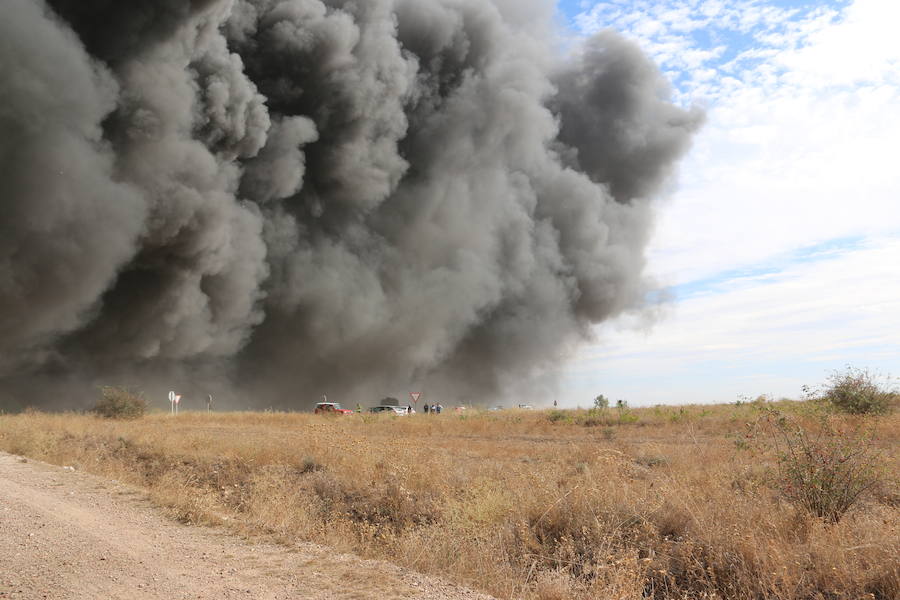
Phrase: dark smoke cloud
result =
(615, 94)
(278, 198)
(68, 224)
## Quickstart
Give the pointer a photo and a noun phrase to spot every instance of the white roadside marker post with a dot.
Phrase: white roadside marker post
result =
(172, 401)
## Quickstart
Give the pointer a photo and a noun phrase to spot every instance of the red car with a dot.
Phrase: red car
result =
(331, 408)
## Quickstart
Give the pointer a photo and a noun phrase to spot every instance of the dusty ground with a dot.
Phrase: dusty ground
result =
(69, 535)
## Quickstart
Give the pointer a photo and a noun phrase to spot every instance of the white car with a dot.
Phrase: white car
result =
(400, 410)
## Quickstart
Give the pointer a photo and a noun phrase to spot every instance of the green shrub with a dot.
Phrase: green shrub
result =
(824, 470)
(592, 420)
(627, 417)
(857, 392)
(554, 416)
(120, 403)
(680, 415)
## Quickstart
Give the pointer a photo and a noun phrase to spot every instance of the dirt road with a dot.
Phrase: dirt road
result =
(67, 535)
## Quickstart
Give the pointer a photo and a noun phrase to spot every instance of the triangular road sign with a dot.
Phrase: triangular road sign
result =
(415, 396)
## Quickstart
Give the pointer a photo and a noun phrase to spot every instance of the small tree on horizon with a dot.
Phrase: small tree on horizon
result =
(857, 392)
(601, 402)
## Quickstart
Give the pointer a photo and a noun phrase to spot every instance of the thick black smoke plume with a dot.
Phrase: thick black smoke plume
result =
(285, 197)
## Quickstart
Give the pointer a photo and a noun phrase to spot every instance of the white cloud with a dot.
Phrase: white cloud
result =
(781, 165)
(801, 129)
(863, 49)
(799, 148)
(778, 171)
(810, 317)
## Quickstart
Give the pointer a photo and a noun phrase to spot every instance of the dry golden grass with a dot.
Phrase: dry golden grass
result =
(656, 503)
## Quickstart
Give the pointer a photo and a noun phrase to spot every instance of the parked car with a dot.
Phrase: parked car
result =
(331, 408)
(398, 410)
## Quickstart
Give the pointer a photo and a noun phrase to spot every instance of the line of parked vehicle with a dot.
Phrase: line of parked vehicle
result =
(334, 408)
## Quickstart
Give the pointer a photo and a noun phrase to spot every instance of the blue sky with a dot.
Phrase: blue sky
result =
(779, 244)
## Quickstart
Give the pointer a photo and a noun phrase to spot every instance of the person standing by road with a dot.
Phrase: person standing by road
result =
(425, 408)
(439, 408)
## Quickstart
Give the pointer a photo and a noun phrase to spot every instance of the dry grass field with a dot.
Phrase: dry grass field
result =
(648, 503)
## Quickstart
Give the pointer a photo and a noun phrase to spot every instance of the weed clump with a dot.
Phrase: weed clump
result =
(555, 416)
(120, 403)
(856, 392)
(825, 469)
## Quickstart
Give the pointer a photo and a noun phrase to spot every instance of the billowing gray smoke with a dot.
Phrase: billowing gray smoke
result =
(286, 197)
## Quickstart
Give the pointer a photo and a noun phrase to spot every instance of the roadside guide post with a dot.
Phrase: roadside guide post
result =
(209, 403)
(172, 401)
(177, 402)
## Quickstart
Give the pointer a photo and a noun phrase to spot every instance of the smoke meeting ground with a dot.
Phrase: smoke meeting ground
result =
(255, 197)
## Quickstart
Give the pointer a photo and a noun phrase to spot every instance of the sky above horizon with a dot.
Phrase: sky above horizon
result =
(778, 246)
